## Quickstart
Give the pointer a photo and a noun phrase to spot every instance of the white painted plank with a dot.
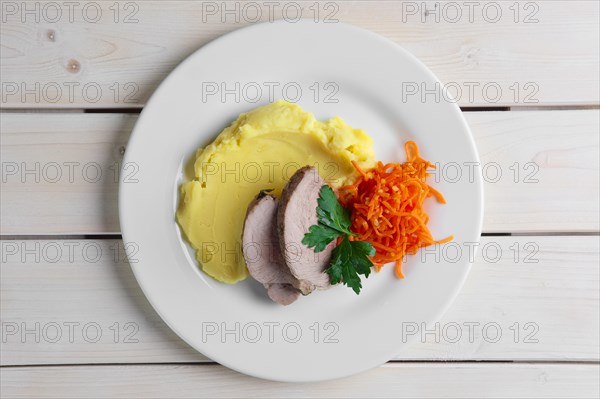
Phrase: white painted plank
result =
(549, 166)
(535, 53)
(558, 296)
(548, 160)
(62, 194)
(394, 380)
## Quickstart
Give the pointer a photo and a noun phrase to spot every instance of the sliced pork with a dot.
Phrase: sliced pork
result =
(283, 294)
(261, 251)
(297, 211)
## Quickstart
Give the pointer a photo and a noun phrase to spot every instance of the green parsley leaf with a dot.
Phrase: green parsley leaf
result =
(336, 266)
(319, 236)
(333, 221)
(361, 251)
(331, 213)
(349, 259)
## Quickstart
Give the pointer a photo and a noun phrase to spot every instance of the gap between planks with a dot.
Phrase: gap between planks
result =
(138, 110)
(120, 237)
(390, 362)
(392, 380)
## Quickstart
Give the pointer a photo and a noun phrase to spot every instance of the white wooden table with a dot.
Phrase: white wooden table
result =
(75, 76)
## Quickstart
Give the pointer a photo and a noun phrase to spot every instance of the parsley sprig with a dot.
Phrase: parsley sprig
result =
(349, 259)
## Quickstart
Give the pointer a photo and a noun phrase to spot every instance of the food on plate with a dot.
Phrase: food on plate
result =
(262, 149)
(297, 212)
(290, 244)
(387, 208)
(273, 236)
(283, 294)
(301, 205)
(349, 259)
(261, 250)
(387, 219)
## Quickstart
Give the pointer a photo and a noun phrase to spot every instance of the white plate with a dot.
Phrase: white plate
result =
(366, 74)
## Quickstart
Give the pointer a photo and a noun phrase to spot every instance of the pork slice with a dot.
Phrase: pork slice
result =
(261, 250)
(283, 294)
(297, 211)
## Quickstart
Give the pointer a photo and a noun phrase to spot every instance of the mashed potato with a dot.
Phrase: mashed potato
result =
(261, 150)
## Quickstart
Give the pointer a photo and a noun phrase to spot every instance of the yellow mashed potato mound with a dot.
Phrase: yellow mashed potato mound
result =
(261, 150)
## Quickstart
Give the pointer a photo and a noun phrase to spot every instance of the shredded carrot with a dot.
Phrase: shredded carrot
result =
(387, 208)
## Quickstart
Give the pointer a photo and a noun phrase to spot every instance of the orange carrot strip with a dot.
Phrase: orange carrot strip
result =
(387, 207)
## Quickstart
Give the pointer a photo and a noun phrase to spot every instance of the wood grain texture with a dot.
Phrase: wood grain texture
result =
(549, 164)
(549, 286)
(390, 381)
(548, 160)
(58, 173)
(540, 59)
